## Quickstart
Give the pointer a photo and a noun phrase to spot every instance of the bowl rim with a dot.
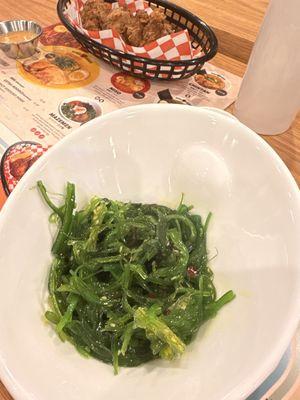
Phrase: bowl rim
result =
(37, 34)
(250, 383)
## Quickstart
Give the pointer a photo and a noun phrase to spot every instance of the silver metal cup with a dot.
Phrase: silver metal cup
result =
(20, 49)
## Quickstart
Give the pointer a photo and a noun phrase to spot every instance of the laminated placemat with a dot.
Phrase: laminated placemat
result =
(47, 96)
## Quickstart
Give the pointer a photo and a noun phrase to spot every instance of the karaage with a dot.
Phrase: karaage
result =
(136, 29)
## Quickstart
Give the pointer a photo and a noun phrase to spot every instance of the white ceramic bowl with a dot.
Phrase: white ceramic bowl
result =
(154, 153)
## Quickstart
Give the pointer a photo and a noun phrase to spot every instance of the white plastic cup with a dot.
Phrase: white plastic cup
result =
(269, 97)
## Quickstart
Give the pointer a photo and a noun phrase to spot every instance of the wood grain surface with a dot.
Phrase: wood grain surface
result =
(236, 23)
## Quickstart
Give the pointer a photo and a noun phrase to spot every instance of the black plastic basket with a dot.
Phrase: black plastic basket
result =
(202, 36)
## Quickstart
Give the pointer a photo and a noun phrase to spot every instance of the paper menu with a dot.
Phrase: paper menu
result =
(33, 91)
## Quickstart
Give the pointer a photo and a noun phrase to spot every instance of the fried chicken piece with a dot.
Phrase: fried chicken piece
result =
(19, 166)
(157, 27)
(134, 32)
(143, 17)
(134, 35)
(126, 24)
(94, 14)
(136, 29)
(118, 19)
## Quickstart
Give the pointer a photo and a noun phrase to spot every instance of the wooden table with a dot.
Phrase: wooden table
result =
(236, 23)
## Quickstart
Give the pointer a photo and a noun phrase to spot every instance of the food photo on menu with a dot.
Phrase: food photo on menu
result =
(149, 200)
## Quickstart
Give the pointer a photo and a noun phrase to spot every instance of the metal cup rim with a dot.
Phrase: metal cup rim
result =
(37, 34)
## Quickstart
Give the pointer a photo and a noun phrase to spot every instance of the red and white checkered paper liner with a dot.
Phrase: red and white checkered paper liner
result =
(174, 47)
(35, 149)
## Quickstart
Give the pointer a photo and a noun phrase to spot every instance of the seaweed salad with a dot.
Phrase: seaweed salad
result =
(129, 282)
